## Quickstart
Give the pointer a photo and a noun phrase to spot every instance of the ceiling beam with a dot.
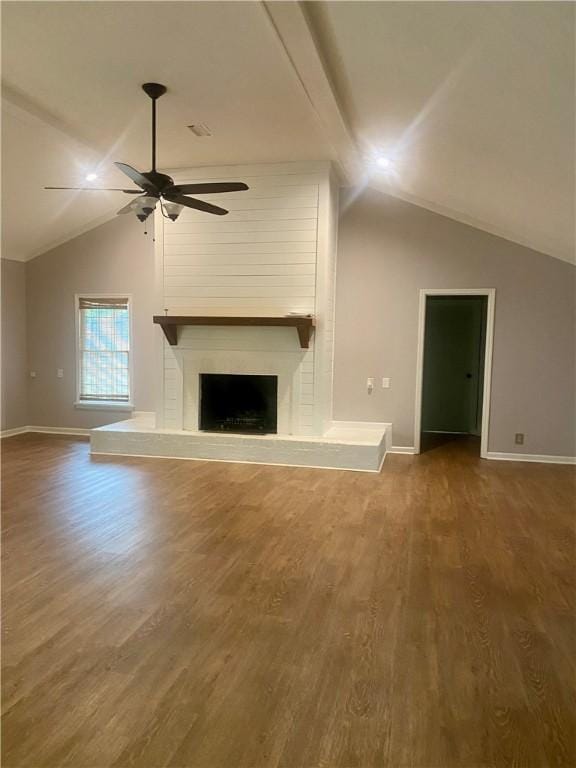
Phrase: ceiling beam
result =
(297, 39)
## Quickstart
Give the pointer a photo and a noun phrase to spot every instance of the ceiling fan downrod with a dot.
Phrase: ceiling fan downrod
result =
(154, 91)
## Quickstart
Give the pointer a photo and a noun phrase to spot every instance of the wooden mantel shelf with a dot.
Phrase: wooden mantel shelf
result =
(170, 324)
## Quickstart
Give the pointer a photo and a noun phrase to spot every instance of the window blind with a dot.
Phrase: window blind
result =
(104, 349)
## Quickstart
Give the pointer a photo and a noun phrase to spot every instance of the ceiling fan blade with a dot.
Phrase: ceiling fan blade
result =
(102, 189)
(136, 176)
(200, 205)
(208, 188)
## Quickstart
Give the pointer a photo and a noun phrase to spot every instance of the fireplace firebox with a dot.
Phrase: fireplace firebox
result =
(238, 403)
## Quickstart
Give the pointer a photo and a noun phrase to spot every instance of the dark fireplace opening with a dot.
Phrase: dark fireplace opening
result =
(238, 403)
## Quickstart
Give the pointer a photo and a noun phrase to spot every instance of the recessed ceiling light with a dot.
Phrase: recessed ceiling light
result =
(91, 177)
(384, 163)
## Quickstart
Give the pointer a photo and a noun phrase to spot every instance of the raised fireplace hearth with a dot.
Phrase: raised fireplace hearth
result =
(242, 403)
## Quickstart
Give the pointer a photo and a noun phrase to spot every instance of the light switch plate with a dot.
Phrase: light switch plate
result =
(385, 383)
(60, 373)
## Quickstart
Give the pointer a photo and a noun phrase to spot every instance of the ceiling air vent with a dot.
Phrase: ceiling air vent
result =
(200, 129)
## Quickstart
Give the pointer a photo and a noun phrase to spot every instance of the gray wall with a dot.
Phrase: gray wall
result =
(14, 368)
(387, 251)
(115, 257)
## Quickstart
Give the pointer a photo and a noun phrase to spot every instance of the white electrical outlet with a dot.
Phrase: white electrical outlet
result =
(60, 373)
(370, 385)
(32, 374)
(385, 383)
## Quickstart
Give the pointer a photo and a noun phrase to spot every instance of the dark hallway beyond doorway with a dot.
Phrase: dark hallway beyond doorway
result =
(453, 368)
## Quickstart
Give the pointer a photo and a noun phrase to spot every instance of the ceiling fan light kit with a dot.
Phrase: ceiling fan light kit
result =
(156, 187)
(144, 206)
(172, 210)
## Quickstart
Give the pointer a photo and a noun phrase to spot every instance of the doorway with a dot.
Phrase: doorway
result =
(454, 368)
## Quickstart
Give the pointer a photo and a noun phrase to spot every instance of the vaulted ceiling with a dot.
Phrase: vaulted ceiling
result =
(473, 102)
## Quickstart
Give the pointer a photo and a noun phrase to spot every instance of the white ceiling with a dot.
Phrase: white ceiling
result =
(474, 100)
(35, 153)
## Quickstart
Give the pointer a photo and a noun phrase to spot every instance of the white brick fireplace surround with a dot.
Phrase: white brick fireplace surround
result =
(273, 254)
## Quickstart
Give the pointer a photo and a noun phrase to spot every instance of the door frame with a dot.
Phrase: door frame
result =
(490, 293)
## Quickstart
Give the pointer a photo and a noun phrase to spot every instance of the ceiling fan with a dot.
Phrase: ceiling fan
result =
(158, 187)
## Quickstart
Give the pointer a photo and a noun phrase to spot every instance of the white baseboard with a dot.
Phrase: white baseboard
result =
(531, 457)
(13, 432)
(496, 456)
(80, 431)
(46, 431)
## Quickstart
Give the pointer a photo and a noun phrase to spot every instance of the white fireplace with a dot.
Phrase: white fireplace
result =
(272, 255)
(268, 351)
(284, 365)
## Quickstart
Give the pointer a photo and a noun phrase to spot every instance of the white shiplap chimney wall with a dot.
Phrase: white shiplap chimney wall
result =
(274, 253)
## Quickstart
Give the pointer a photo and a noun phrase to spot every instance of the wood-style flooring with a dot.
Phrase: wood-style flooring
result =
(211, 615)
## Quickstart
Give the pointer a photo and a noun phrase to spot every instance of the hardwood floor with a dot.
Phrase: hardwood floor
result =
(206, 615)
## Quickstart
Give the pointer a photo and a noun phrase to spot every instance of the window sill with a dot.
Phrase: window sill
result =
(103, 405)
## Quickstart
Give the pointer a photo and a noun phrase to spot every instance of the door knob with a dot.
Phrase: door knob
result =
(468, 375)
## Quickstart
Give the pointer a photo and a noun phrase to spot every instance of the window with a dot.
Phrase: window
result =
(103, 350)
